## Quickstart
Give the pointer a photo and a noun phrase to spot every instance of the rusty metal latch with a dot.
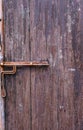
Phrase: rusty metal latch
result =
(14, 65)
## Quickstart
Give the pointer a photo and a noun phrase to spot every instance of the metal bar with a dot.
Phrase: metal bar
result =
(29, 63)
(3, 90)
(13, 71)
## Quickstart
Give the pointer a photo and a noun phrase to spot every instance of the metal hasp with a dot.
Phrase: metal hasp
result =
(5, 71)
(14, 66)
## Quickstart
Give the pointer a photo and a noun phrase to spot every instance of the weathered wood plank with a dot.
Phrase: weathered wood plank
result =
(54, 28)
(45, 98)
(44, 80)
(77, 44)
(17, 105)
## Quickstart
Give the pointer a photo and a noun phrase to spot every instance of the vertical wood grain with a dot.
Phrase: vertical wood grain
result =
(56, 92)
(43, 98)
(77, 44)
(44, 90)
(17, 104)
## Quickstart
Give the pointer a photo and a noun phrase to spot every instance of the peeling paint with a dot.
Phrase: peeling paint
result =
(72, 69)
(60, 54)
(69, 23)
(20, 107)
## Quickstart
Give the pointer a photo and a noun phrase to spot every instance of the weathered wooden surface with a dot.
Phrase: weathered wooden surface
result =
(45, 98)
(17, 105)
(56, 34)
(2, 117)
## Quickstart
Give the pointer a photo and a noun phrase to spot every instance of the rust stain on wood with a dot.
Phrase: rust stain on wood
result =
(45, 98)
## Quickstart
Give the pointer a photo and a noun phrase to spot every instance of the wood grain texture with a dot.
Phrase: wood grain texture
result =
(43, 98)
(77, 44)
(17, 105)
(56, 92)
(43, 80)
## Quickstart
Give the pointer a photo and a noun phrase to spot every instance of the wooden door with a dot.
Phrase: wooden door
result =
(41, 98)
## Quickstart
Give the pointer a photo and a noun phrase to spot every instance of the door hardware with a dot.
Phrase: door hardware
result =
(9, 68)
(14, 66)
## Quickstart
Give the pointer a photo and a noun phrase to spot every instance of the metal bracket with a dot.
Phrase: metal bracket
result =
(14, 65)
